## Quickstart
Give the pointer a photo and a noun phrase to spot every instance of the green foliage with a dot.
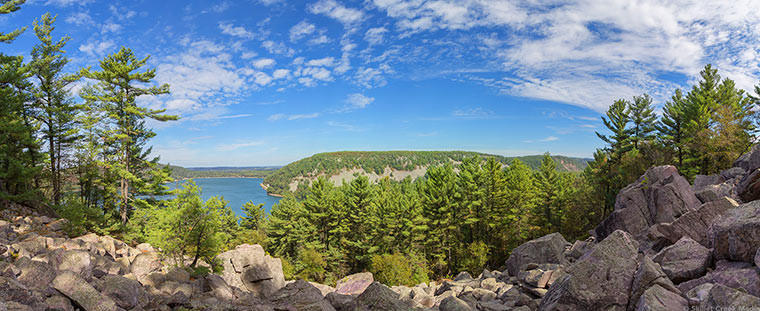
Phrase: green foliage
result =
(377, 162)
(179, 172)
(310, 265)
(398, 269)
(474, 258)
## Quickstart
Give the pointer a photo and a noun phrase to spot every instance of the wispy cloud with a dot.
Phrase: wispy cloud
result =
(235, 31)
(474, 113)
(345, 126)
(235, 146)
(542, 140)
(291, 117)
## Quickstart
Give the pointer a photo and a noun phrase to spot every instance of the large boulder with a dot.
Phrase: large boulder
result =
(77, 261)
(647, 275)
(144, 264)
(77, 289)
(127, 293)
(35, 274)
(354, 284)
(684, 260)
(657, 298)
(736, 235)
(377, 297)
(661, 195)
(600, 280)
(452, 303)
(725, 298)
(250, 269)
(694, 224)
(547, 249)
(732, 274)
(300, 295)
(12, 290)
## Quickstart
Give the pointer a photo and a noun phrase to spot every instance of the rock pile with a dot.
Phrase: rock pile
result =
(668, 245)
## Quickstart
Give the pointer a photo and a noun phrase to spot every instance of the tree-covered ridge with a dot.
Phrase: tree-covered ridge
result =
(179, 172)
(376, 162)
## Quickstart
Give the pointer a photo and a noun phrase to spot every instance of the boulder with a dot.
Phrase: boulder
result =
(600, 280)
(127, 294)
(218, 287)
(13, 291)
(547, 249)
(35, 274)
(731, 274)
(463, 276)
(726, 298)
(77, 289)
(697, 294)
(178, 275)
(684, 260)
(339, 301)
(757, 258)
(749, 186)
(661, 195)
(58, 303)
(354, 284)
(77, 261)
(250, 269)
(694, 224)
(647, 275)
(657, 298)
(736, 235)
(454, 304)
(324, 289)
(377, 297)
(300, 295)
(707, 180)
(144, 263)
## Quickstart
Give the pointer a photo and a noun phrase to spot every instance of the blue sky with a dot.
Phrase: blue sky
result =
(268, 82)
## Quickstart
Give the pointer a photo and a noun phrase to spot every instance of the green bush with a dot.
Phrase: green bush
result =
(398, 269)
(311, 265)
(474, 258)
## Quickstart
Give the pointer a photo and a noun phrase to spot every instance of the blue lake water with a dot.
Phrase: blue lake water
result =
(237, 191)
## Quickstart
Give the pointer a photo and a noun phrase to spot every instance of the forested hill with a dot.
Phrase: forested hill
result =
(179, 172)
(341, 165)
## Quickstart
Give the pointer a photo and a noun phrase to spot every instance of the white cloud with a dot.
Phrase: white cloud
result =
(263, 63)
(318, 73)
(291, 117)
(80, 19)
(68, 2)
(235, 31)
(96, 48)
(281, 74)
(372, 77)
(262, 79)
(474, 113)
(301, 30)
(248, 55)
(375, 35)
(277, 48)
(358, 101)
(322, 62)
(220, 7)
(235, 146)
(331, 8)
(111, 27)
(542, 140)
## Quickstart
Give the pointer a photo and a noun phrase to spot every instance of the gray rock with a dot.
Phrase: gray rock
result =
(463, 276)
(661, 195)
(250, 269)
(749, 186)
(127, 294)
(600, 280)
(647, 275)
(58, 303)
(178, 275)
(218, 287)
(493, 305)
(736, 235)
(750, 160)
(482, 294)
(726, 298)
(697, 294)
(13, 291)
(324, 289)
(171, 288)
(377, 297)
(300, 295)
(78, 262)
(354, 284)
(657, 298)
(35, 274)
(454, 304)
(684, 260)
(77, 289)
(757, 258)
(707, 180)
(339, 301)
(732, 173)
(547, 249)
(144, 263)
(695, 224)
(732, 274)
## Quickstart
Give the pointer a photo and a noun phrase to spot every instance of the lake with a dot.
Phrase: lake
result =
(237, 191)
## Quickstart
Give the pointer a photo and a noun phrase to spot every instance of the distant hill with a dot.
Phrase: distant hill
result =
(179, 172)
(345, 165)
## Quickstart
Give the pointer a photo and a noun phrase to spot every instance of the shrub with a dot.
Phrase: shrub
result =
(398, 269)
(474, 258)
(311, 265)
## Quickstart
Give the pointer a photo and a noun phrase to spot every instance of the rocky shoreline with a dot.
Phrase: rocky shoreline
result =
(668, 245)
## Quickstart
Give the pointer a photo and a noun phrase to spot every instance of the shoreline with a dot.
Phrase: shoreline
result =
(263, 186)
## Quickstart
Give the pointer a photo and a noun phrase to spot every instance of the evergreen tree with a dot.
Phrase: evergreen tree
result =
(547, 180)
(255, 216)
(440, 214)
(617, 122)
(671, 126)
(470, 197)
(358, 221)
(52, 100)
(643, 119)
(118, 86)
(520, 196)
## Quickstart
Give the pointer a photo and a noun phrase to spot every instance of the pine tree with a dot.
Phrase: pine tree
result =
(255, 216)
(496, 208)
(357, 224)
(440, 214)
(617, 122)
(56, 110)
(547, 180)
(520, 197)
(643, 119)
(119, 85)
(470, 195)
(671, 127)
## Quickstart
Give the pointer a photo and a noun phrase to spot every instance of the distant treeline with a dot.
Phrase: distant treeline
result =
(332, 163)
(178, 172)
